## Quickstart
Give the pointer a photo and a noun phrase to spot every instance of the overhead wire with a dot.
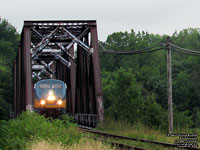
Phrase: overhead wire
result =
(187, 51)
(140, 51)
(150, 50)
(101, 54)
(101, 45)
(131, 52)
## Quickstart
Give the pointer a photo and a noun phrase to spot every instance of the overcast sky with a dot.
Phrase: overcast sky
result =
(154, 16)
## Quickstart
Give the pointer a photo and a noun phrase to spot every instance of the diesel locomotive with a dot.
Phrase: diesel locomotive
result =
(50, 97)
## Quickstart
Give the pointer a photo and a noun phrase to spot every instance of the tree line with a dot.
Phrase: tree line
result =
(8, 46)
(135, 86)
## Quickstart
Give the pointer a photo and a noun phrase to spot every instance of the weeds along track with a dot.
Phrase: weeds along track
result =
(121, 146)
(107, 135)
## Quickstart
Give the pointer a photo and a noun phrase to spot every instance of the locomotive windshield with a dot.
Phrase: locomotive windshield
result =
(55, 87)
(44, 86)
(47, 86)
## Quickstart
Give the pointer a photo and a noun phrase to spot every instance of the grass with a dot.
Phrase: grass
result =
(31, 131)
(84, 144)
(14, 134)
(138, 130)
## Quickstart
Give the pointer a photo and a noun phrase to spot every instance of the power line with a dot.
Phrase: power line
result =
(131, 52)
(140, 51)
(101, 45)
(186, 53)
(150, 50)
(184, 50)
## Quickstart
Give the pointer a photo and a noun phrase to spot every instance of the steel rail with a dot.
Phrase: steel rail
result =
(120, 145)
(135, 139)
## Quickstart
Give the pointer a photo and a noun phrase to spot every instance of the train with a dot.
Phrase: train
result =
(50, 97)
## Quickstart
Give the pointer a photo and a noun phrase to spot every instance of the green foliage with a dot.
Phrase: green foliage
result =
(153, 114)
(150, 77)
(125, 99)
(14, 134)
(136, 130)
(196, 117)
(4, 109)
(8, 45)
(182, 119)
(139, 87)
(182, 89)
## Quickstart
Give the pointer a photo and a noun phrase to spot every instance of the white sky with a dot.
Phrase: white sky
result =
(154, 16)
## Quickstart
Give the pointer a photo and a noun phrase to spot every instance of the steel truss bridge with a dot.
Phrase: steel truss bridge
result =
(64, 50)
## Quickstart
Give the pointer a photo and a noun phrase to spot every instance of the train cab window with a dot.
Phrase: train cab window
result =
(56, 86)
(44, 86)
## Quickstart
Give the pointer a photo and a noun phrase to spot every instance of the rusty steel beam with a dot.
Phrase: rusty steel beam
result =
(92, 100)
(66, 51)
(78, 88)
(86, 31)
(27, 66)
(60, 22)
(14, 85)
(72, 81)
(97, 74)
(84, 46)
(18, 83)
(86, 75)
(47, 66)
(45, 41)
(83, 79)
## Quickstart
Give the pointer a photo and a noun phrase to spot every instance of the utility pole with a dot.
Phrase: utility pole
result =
(169, 76)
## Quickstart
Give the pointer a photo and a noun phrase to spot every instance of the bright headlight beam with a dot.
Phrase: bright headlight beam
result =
(51, 93)
(51, 98)
(59, 102)
(42, 102)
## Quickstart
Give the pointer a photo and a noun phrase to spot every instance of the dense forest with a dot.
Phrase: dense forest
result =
(134, 86)
(8, 45)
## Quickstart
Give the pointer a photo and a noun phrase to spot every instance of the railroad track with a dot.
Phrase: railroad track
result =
(120, 145)
(107, 135)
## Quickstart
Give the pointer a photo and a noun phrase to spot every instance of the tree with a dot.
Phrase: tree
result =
(150, 72)
(8, 45)
(125, 99)
(125, 95)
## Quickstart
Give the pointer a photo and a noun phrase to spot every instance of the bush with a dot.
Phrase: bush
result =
(14, 134)
(5, 109)
(182, 119)
(126, 99)
(153, 114)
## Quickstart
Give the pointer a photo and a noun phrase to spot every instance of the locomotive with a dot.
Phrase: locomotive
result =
(50, 97)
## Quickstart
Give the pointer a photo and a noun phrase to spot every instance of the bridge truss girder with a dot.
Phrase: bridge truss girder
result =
(65, 50)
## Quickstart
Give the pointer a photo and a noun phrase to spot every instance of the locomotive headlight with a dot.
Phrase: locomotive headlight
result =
(51, 96)
(60, 102)
(42, 102)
